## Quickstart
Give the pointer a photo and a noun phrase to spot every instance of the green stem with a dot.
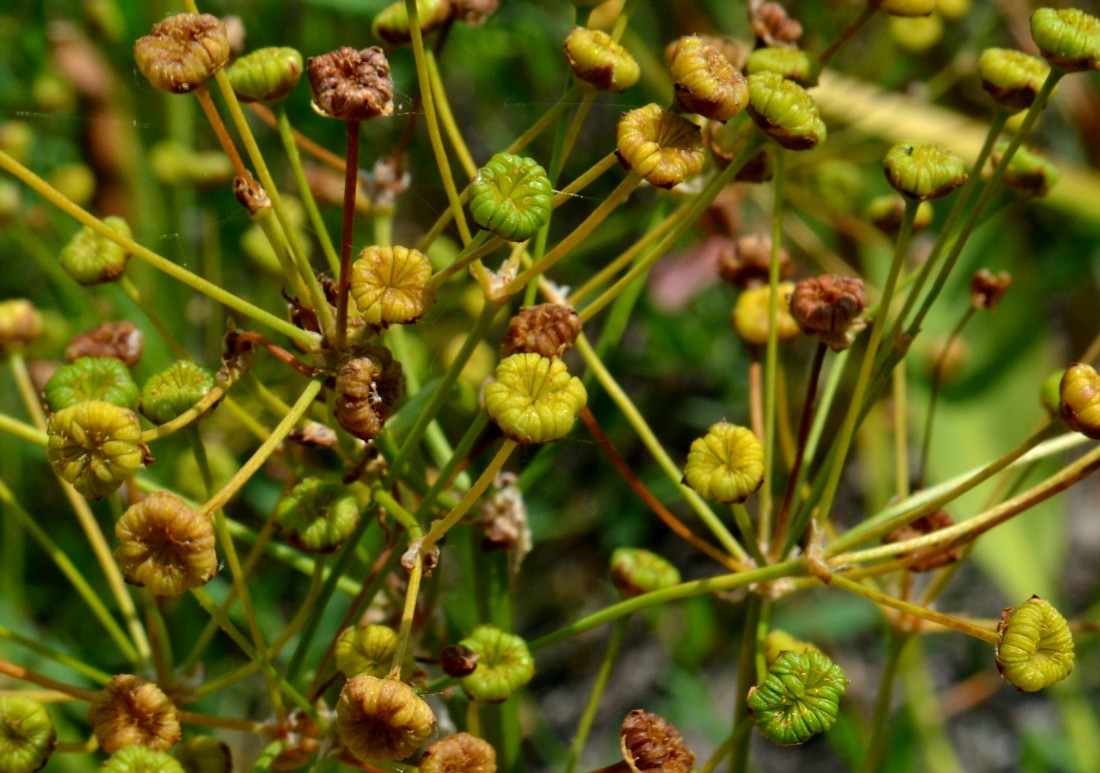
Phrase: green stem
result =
(442, 526)
(44, 650)
(879, 734)
(771, 358)
(447, 119)
(584, 725)
(746, 678)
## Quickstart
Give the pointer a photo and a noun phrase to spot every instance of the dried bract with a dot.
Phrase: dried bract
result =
(652, 744)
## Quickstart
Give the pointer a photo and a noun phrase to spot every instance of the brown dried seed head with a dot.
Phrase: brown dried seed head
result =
(382, 719)
(165, 546)
(182, 51)
(131, 710)
(826, 306)
(987, 289)
(926, 559)
(772, 25)
(120, 340)
(460, 753)
(458, 661)
(474, 12)
(746, 263)
(367, 389)
(652, 743)
(352, 85)
(548, 329)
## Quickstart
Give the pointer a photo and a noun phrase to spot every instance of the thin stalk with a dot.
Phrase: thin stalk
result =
(846, 34)
(26, 675)
(163, 329)
(447, 119)
(771, 357)
(927, 716)
(44, 650)
(23, 431)
(160, 641)
(347, 234)
(879, 734)
(746, 678)
(934, 391)
(901, 432)
(584, 725)
(216, 123)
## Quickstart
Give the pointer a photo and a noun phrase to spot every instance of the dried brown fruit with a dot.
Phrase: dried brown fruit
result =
(351, 85)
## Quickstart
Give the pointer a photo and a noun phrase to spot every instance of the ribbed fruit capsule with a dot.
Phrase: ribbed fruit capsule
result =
(95, 446)
(705, 82)
(1012, 78)
(390, 285)
(828, 306)
(204, 754)
(182, 51)
(726, 465)
(792, 63)
(905, 7)
(317, 515)
(548, 329)
(392, 22)
(382, 719)
(785, 111)
(534, 399)
(27, 735)
(635, 571)
(1028, 173)
(367, 649)
(121, 340)
(652, 744)
(174, 390)
(367, 390)
(91, 258)
(1068, 38)
(351, 85)
(266, 74)
(139, 759)
(511, 196)
(661, 146)
(91, 378)
(165, 546)
(599, 61)
(459, 753)
(887, 213)
(504, 664)
(921, 171)
(133, 711)
(20, 324)
(1036, 646)
(750, 315)
(798, 699)
(1079, 399)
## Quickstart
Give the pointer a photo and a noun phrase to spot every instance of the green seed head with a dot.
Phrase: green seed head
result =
(534, 399)
(922, 171)
(726, 465)
(636, 571)
(27, 735)
(785, 111)
(92, 258)
(599, 61)
(139, 759)
(392, 22)
(511, 197)
(95, 445)
(204, 754)
(706, 82)
(1068, 38)
(792, 63)
(1036, 646)
(661, 146)
(1012, 78)
(504, 664)
(165, 546)
(1079, 401)
(390, 285)
(799, 698)
(91, 378)
(367, 649)
(317, 516)
(1028, 173)
(266, 75)
(174, 391)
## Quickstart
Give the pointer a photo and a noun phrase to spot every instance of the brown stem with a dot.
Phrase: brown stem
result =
(18, 672)
(222, 133)
(644, 494)
(756, 409)
(351, 184)
(800, 450)
(250, 338)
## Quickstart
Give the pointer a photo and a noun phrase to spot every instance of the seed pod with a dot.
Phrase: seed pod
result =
(934, 557)
(131, 710)
(91, 378)
(367, 390)
(317, 516)
(182, 51)
(726, 141)
(1079, 401)
(777, 642)
(905, 7)
(367, 649)
(1068, 38)
(662, 147)
(91, 258)
(95, 446)
(120, 340)
(652, 744)
(599, 61)
(511, 197)
(27, 735)
(266, 74)
(887, 212)
(1028, 173)
(750, 315)
(726, 465)
(504, 664)
(548, 329)
(382, 719)
(165, 546)
(772, 25)
(534, 399)
(792, 63)
(922, 171)
(20, 324)
(459, 753)
(473, 12)
(635, 571)
(204, 754)
(458, 660)
(392, 22)
(987, 288)
(1012, 78)
(1036, 646)
(351, 85)
(784, 111)
(139, 759)
(390, 285)
(799, 698)
(747, 262)
(828, 306)
(174, 391)
(705, 82)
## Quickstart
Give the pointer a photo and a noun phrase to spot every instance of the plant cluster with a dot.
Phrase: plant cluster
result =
(317, 514)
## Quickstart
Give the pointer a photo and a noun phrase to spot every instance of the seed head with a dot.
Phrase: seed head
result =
(351, 85)
(182, 51)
